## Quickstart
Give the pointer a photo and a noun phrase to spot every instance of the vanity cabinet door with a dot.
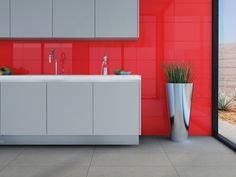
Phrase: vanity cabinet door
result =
(69, 108)
(4, 18)
(31, 18)
(23, 110)
(117, 18)
(116, 108)
(73, 19)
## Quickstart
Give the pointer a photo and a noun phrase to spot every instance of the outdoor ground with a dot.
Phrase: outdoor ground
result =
(227, 124)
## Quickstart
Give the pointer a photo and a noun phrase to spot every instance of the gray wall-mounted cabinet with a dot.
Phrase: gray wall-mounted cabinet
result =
(69, 108)
(4, 18)
(23, 110)
(73, 19)
(69, 19)
(31, 18)
(117, 18)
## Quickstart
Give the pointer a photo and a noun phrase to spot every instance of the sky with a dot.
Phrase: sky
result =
(227, 21)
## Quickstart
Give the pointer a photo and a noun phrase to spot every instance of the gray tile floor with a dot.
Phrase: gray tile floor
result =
(154, 157)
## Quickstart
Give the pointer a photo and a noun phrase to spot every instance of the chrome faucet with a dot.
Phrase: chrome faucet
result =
(51, 57)
(104, 66)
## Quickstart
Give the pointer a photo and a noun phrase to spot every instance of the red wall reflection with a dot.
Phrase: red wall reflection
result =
(170, 31)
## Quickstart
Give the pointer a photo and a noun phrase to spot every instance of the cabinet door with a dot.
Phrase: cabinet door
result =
(31, 18)
(117, 18)
(69, 108)
(23, 110)
(73, 18)
(4, 18)
(116, 108)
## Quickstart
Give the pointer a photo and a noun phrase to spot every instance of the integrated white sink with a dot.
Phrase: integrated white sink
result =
(68, 78)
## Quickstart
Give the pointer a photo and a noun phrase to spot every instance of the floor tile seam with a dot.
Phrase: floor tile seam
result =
(37, 165)
(12, 160)
(206, 166)
(200, 153)
(172, 164)
(131, 165)
(90, 163)
(129, 154)
(128, 166)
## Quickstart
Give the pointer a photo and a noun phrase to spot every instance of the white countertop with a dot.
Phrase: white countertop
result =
(69, 78)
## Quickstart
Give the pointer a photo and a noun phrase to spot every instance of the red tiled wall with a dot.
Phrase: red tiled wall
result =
(170, 31)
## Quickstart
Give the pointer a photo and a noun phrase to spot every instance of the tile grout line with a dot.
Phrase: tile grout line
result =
(7, 164)
(170, 160)
(90, 163)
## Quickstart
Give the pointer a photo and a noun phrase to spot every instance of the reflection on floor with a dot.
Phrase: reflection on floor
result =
(154, 157)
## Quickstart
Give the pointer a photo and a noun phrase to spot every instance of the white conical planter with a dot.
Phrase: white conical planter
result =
(179, 99)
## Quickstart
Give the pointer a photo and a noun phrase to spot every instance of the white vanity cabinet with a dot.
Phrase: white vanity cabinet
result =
(117, 18)
(116, 108)
(23, 110)
(4, 18)
(31, 18)
(73, 19)
(69, 108)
